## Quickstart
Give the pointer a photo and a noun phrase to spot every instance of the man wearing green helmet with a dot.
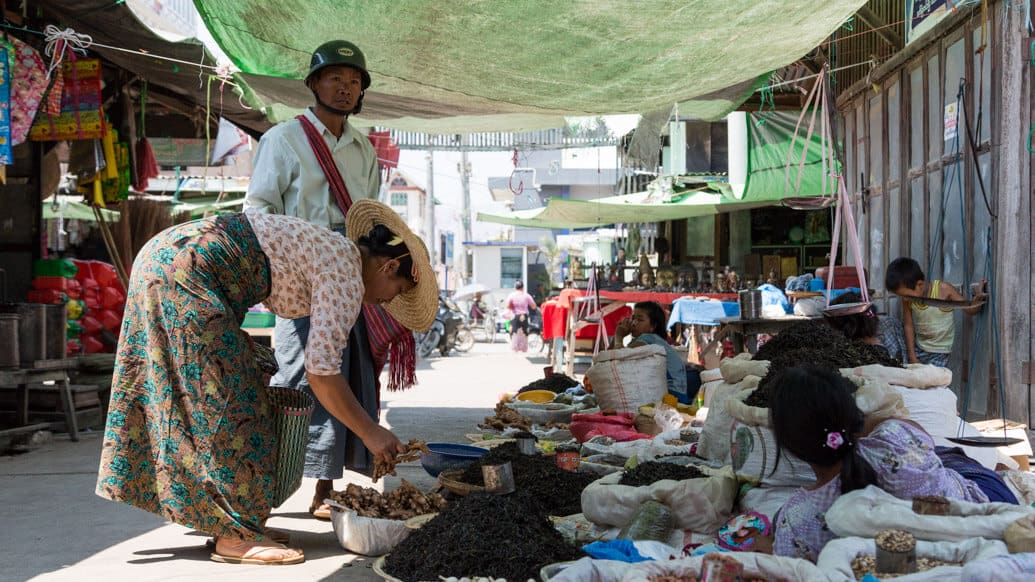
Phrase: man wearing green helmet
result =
(293, 175)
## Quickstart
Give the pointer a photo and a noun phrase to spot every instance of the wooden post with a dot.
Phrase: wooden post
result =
(1015, 289)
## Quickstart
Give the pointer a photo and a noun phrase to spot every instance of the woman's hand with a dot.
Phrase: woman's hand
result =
(382, 443)
(624, 327)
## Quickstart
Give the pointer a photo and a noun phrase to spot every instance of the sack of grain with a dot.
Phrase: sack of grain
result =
(701, 505)
(715, 438)
(628, 378)
(757, 459)
(866, 512)
(911, 376)
(756, 566)
(741, 366)
(837, 557)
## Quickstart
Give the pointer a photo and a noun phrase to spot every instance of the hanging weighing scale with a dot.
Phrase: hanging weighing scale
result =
(818, 100)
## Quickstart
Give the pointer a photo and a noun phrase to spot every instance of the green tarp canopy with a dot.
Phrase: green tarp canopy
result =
(476, 65)
(759, 176)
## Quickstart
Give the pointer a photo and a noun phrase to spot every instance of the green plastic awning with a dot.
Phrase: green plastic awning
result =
(766, 142)
(474, 65)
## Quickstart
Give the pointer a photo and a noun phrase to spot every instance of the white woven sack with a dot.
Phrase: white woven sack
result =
(1009, 568)
(715, 438)
(741, 366)
(866, 512)
(367, 536)
(912, 376)
(877, 400)
(749, 415)
(708, 389)
(934, 408)
(701, 505)
(763, 566)
(765, 500)
(627, 378)
(836, 558)
(757, 459)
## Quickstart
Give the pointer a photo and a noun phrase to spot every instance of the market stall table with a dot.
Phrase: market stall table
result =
(746, 331)
(697, 313)
(44, 371)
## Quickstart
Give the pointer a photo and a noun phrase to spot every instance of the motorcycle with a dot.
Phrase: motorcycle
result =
(443, 332)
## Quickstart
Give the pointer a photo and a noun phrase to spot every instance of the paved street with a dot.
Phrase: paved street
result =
(55, 528)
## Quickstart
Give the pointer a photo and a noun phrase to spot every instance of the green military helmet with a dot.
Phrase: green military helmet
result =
(339, 52)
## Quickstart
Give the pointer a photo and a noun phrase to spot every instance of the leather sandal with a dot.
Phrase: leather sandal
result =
(275, 535)
(253, 556)
(321, 512)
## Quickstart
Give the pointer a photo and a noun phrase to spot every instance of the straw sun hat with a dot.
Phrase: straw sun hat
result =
(416, 308)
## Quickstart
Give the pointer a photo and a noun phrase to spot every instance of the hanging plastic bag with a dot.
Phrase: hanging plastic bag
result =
(81, 116)
(28, 83)
(6, 156)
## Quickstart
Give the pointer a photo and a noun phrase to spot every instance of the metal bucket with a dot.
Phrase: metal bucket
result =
(9, 354)
(41, 331)
(750, 303)
(55, 342)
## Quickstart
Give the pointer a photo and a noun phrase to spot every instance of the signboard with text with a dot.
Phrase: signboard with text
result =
(922, 15)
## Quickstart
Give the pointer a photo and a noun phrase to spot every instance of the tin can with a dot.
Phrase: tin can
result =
(568, 460)
(720, 568)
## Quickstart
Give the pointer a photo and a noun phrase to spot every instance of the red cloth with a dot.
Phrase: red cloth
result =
(610, 323)
(555, 319)
(617, 426)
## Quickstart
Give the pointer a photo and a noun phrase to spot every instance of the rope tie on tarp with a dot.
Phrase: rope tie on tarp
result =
(59, 42)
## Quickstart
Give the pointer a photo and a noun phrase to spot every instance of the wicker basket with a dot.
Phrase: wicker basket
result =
(451, 481)
(379, 568)
(291, 409)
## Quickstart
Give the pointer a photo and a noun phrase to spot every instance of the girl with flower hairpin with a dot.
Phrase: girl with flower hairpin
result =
(814, 416)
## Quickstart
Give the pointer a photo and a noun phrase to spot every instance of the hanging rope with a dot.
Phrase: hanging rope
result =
(954, 177)
(59, 42)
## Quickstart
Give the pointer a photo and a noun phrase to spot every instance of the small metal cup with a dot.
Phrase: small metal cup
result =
(499, 479)
(526, 445)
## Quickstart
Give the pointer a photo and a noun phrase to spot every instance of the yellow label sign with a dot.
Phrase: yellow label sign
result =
(345, 52)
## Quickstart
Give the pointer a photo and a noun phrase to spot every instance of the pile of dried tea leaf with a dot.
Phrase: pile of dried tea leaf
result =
(481, 535)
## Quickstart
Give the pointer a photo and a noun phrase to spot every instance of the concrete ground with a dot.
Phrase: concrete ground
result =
(55, 528)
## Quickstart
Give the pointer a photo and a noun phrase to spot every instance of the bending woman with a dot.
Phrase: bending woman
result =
(189, 434)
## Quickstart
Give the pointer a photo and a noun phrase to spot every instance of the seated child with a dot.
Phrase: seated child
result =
(814, 416)
(648, 325)
(927, 332)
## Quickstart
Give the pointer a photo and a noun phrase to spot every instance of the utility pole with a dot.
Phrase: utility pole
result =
(465, 182)
(429, 209)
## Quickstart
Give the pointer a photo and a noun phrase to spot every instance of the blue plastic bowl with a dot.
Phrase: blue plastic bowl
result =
(449, 457)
